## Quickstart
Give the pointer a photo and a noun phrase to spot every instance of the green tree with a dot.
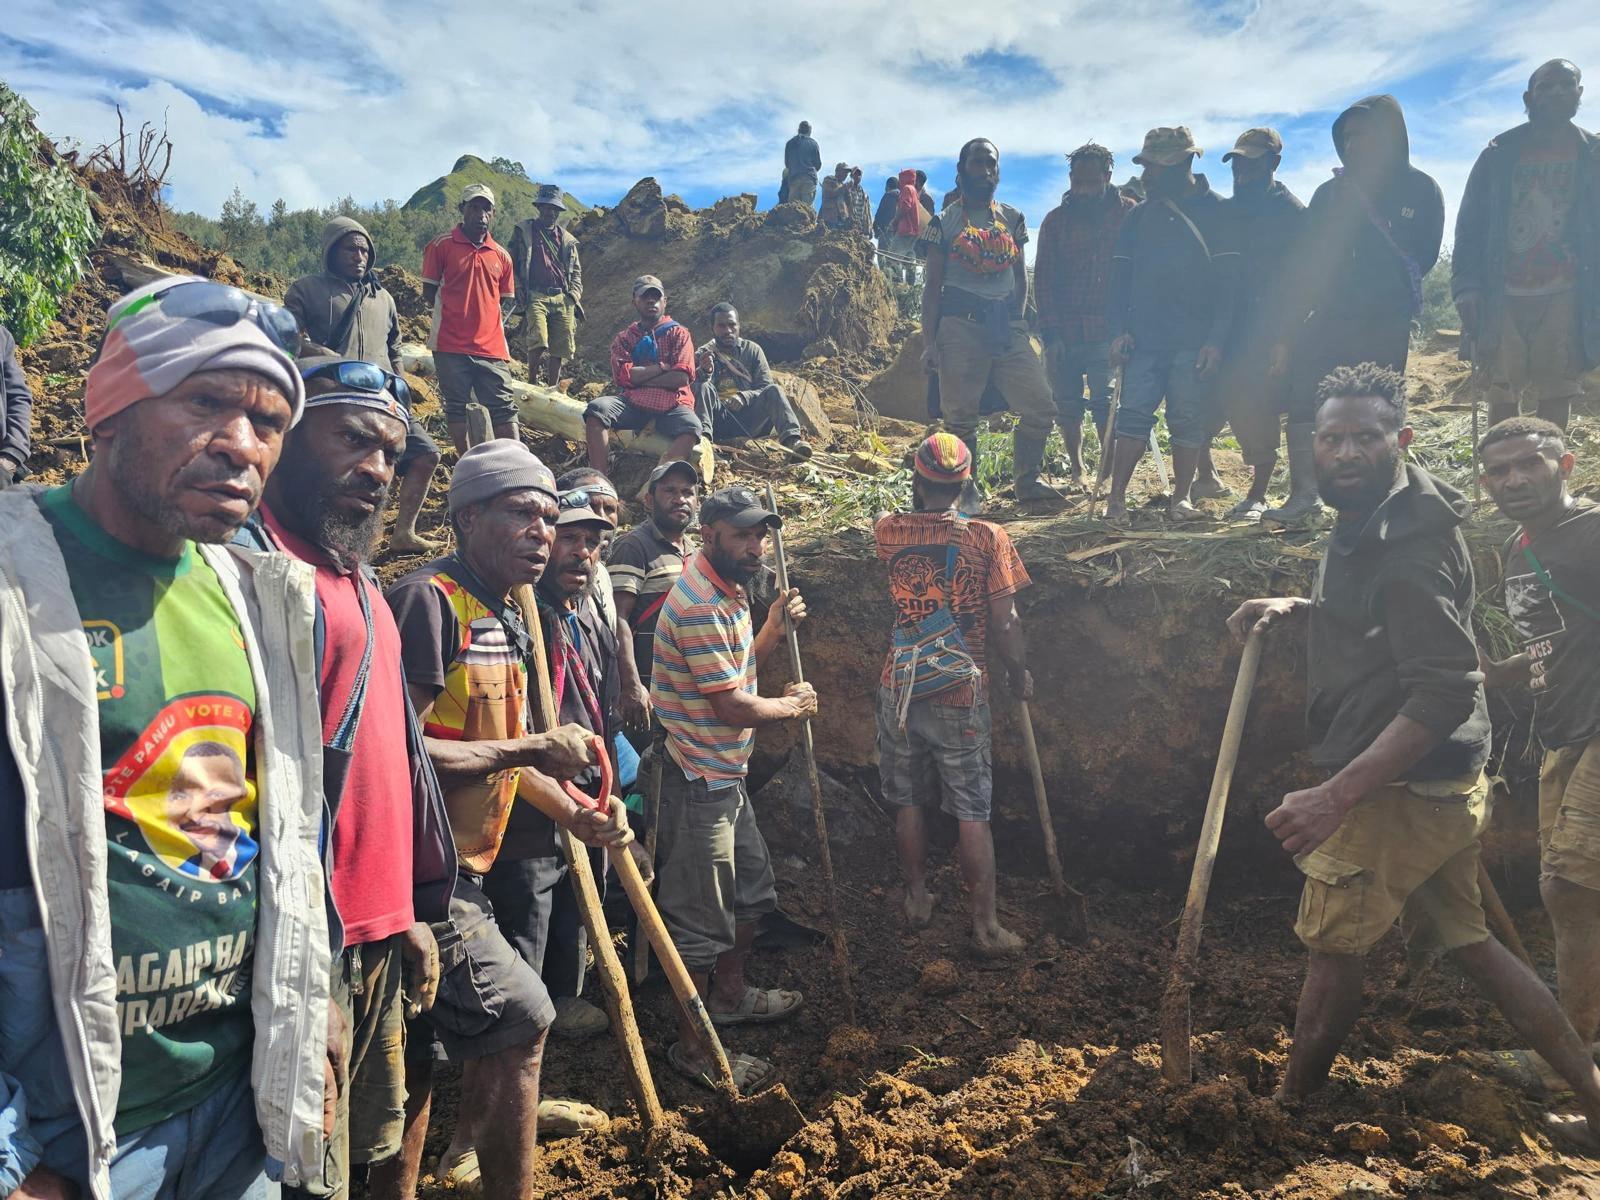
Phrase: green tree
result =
(46, 226)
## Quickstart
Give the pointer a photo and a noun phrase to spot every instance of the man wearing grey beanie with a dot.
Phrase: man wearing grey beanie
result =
(464, 650)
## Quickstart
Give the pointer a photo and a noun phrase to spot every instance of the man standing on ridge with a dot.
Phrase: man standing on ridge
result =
(1525, 267)
(1354, 281)
(468, 279)
(1071, 278)
(544, 258)
(802, 161)
(973, 300)
(344, 311)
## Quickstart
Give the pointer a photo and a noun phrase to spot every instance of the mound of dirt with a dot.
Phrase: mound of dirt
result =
(795, 283)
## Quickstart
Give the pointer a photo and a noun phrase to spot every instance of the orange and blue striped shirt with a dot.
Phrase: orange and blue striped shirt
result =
(703, 646)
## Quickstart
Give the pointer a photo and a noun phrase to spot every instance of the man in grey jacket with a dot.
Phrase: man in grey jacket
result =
(16, 420)
(164, 1028)
(343, 310)
(1525, 271)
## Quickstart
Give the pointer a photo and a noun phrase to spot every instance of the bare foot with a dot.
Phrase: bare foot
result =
(410, 542)
(1116, 512)
(1573, 1133)
(1182, 510)
(996, 941)
(918, 907)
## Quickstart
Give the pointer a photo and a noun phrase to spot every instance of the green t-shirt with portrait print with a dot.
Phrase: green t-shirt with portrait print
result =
(176, 715)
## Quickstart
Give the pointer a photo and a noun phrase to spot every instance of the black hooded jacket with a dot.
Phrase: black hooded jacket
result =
(1391, 633)
(1346, 266)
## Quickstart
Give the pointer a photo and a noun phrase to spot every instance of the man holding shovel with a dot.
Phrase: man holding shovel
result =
(1398, 719)
(954, 583)
(715, 876)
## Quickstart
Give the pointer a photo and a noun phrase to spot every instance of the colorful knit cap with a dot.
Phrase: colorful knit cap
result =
(944, 458)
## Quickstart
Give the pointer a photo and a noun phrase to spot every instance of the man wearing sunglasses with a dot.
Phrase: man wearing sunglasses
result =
(144, 996)
(344, 311)
(390, 860)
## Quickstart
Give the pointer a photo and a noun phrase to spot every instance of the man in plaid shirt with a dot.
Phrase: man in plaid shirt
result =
(1071, 273)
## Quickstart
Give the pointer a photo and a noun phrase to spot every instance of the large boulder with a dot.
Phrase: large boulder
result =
(794, 282)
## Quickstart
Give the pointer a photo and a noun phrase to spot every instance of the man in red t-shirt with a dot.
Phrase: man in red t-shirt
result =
(468, 279)
(324, 505)
(652, 364)
(933, 741)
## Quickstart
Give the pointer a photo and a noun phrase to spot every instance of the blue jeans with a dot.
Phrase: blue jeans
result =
(1156, 375)
(1068, 367)
(211, 1152)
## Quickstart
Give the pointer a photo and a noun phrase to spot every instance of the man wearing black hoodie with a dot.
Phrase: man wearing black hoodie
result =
(1525, 271)
(1397, 716)
(1371, 233)
(344, 311)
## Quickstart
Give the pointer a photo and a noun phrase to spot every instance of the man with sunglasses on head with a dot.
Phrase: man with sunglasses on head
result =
(344, 311)
(468, 280)
(390, 861)
(143, 998)
(465, 652)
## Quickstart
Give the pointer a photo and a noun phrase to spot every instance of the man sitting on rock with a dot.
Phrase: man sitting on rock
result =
(737, 397)
(652, 364)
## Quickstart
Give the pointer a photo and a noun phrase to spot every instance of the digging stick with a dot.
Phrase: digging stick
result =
(652, 822)
(1107, 451)
(1175, 1064)
(640, 1080)
(1072, 905)
(841, 952)
(1499, 919)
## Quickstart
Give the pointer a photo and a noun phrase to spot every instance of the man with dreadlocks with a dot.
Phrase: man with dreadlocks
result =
(1071, 274)
(973, 297)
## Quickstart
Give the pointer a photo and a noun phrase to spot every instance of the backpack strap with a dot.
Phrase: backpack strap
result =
(1193, 228)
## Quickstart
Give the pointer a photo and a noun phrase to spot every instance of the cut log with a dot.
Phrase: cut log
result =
(553, 411)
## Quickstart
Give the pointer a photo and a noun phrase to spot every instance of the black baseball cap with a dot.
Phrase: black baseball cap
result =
(666, 468)
(739, 507)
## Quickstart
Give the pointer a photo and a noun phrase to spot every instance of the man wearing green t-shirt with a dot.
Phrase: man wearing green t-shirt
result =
(172, 997)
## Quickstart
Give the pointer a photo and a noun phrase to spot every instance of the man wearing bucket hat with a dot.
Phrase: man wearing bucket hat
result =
(465, 654)
(162, 711)
(467, 278)
(1251, 392)
(1174, 276)
(953, 582)
(544, 257)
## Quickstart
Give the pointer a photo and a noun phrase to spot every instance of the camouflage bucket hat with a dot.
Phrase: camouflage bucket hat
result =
(1166, 146)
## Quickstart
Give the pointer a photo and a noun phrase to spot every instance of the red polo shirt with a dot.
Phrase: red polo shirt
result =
(372, 852)
(471, 279)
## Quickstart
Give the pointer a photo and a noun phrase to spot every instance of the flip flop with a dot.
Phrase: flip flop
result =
(567, 1118)
(750, 1074)
(1523, 1070)
(1571, 1133)
(781, 1005)
(463, 1173)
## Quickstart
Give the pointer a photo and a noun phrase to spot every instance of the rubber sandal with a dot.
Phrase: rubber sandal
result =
(568, 1118)
(750, 1074)
(577, 1018)
(1571, 1133)
(1184, 512)
(1522, 1070)
(463, 1173)
(781, 1005)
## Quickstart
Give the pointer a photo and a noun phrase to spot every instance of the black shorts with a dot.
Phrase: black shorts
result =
(490, 999)
(616, 413)
(418, 445)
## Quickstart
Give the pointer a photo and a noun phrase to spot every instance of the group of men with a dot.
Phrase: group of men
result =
(238, 927)
(1232, 311)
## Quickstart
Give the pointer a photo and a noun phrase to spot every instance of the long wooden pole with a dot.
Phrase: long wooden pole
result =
(841, 951)
(1175, 1063)
(623, 1022)
(1070, 898)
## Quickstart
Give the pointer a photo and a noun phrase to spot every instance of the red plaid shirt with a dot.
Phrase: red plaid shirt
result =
(1072, 266)
(675, 351)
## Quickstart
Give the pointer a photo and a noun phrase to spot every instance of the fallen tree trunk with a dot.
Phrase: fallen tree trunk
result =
(553, 411)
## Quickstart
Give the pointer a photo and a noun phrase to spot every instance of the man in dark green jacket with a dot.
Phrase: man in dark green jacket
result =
(1397, 717)
(1525, 270)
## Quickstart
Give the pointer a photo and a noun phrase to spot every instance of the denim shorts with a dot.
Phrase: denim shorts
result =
(943, 753)
(1156, 375)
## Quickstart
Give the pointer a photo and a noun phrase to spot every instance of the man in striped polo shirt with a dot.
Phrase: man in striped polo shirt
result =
(714, 875)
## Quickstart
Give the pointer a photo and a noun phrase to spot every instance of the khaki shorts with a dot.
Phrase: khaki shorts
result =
(551, 323)
(1539, 347)
(1569, 814)
(1407, 852)
(967, 365)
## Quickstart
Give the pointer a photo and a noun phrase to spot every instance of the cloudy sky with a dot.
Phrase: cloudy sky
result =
(322, 98)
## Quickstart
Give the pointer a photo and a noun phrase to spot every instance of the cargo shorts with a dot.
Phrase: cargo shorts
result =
(943, 753)
(551, 323)
(1406, 852)
(1569, 814)
(1539, 349)
(968, 364)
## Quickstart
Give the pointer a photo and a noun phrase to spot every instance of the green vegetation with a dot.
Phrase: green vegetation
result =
(1438, 309)
(46, 226)
(289, 243)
